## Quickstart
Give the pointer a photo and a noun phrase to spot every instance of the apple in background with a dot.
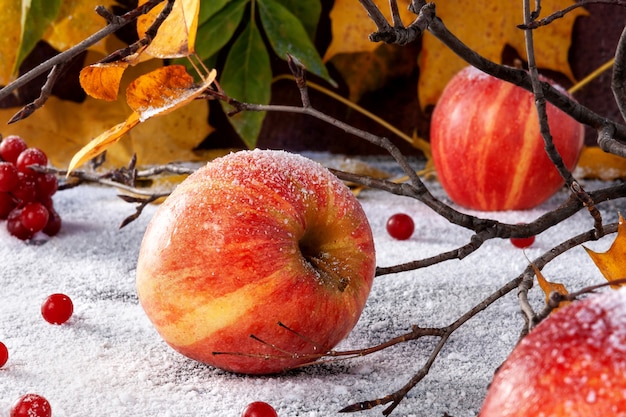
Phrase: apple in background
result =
(573, 364)
(262, 243)
(487, 148)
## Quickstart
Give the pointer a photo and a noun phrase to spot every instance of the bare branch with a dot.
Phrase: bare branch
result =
(535, 24)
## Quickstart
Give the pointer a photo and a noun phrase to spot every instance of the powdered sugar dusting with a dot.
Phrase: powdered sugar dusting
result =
(275, 166)
(108, 359)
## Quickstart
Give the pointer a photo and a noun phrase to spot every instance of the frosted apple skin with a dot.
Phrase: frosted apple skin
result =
(573, 364)
(222, 259)
(487, 147)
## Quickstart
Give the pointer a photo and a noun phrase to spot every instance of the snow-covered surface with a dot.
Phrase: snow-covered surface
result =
(109, 361)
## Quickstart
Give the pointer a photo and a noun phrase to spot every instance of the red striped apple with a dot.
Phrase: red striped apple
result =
(487, 148)
(573, 364)
(257, 263)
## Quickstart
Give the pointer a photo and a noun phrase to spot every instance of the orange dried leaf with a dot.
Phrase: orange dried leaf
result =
(99, 144)
(487, 27)
(612, 263)
(102, 81)
(176, 36)
(164, 90)
(550, 287)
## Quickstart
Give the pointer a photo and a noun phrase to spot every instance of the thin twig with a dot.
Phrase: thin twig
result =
(45, 93)
(541, 261)
(535, 24)
(544, 127)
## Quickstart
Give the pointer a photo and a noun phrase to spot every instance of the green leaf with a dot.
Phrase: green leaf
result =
(307, 12)
(287, 35)
(247, 77)
(219, 29)
(36, 17)
(208, 8)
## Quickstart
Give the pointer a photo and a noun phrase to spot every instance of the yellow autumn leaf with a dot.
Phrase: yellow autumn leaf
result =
(351, 26)
(77, 20)
(486, 27)
(594, 163)
(612, 263)
(549, 287)
(98, 145)
(10, 39)
(102, 81)
(369, 71)
(176, 36)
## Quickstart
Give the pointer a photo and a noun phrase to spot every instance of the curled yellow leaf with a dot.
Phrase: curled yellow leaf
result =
(177, 34)
(98, 145)
(102, 81)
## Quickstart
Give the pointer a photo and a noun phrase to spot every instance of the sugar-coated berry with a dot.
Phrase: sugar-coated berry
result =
(522, 242)
(8, 177)
(46, 184)
(54, 223)
(31, 156)
(259, 409)
(57, 309)
(4, 354)
(11, 147)
(34, 217)
(31, 405)
(26, 189)
(7, 204)
(400, 226)
(15, 226)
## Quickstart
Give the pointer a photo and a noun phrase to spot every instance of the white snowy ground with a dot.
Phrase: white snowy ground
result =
(108, 360)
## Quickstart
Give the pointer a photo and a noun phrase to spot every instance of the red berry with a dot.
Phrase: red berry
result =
(15, 226)
(259, 409)
(11, 147)
(400, 226)
(57, 309)
(54, 223)
(47, 184)
(522, 242)
(31, 405)
(34, 217)
(4, 354)
(7, 204)
(31, 156)
(8, 177)
(26, 190)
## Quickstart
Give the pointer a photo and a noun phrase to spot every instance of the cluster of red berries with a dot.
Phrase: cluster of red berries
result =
(26, 194)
